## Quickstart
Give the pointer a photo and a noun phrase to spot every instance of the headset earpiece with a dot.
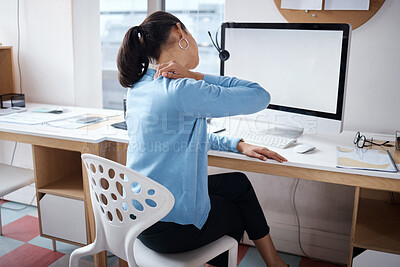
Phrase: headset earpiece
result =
(223, 54)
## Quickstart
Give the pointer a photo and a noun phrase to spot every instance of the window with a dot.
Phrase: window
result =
(117, 16)
(201, 16)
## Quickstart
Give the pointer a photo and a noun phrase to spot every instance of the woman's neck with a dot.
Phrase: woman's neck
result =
(168, 56)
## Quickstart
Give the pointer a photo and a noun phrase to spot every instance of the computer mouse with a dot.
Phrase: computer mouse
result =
(303, 148)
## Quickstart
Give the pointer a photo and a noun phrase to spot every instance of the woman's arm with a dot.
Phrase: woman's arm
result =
(223, 143)
(220, 96)
(234, 144)
(202, 96)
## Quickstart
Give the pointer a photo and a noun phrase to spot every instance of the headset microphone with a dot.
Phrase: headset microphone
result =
(223, 54)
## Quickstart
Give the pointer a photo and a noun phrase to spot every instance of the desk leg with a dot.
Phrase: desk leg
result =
(353, 225)
(123, 263)
(115, 151)
(100, 259)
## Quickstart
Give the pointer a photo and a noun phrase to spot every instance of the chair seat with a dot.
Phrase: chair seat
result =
(13, 178)
(146, 257)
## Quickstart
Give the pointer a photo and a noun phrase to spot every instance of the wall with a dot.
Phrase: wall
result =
(60, 56)
(87, 53)
(325, 210)
(60, 50)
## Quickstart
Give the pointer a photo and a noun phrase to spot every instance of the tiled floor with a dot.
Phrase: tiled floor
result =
(21, 245)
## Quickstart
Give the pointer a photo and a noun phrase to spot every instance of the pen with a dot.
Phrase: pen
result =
(220, 130)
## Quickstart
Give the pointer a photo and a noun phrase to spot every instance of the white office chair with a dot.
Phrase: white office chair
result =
(125, 203)
(11, 179)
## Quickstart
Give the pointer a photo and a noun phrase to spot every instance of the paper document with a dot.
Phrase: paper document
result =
(302, 4)
(67, 121)
(346, 5)
(8, 111)
(365, 159)
(28, 118)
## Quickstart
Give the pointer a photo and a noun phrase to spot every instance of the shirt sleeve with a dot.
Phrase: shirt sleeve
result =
(223, 143)
(219, 96)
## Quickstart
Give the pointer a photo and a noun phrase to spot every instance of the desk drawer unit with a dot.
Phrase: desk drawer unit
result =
(63, 218)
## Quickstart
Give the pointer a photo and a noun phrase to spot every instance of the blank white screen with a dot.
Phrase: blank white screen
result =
(299, 68)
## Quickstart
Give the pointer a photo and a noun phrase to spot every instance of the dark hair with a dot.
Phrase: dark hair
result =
(142, 44)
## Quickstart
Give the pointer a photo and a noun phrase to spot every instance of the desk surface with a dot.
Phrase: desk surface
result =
(322, 158)
(94, 133)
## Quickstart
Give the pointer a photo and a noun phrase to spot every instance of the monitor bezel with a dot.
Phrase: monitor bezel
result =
(345, 28)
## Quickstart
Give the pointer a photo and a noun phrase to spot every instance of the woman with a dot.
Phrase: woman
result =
(166, 117)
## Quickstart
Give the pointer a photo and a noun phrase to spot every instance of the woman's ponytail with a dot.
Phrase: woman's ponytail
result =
(132, 60)
(143, 44)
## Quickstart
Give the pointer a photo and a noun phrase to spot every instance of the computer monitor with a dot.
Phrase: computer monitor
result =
(302, 65)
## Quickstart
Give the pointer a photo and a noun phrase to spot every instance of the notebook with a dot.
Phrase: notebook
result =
(364, 159)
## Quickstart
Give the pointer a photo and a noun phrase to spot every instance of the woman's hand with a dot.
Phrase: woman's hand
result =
(174, 70)
(259, 152)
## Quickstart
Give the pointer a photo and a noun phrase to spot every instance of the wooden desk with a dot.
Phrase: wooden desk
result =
(59, 172)
(57, 162)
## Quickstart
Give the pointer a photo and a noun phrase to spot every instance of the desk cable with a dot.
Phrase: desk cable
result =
(2, 199)
(298, 222)
(13, 154)
(18, 49)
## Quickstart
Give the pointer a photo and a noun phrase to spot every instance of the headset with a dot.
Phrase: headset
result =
(223, 54)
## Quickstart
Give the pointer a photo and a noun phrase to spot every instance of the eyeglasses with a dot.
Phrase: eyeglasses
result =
(360, 140)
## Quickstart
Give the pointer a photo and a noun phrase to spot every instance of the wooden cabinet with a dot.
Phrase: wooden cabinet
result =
(376, 221)
(60, 192)
(6, 71)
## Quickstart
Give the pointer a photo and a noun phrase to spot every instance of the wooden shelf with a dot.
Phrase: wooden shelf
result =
(6, 73)
(354, 17)
(378, 226)
(70, 186)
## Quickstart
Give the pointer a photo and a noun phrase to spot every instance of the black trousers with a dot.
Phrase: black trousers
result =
(234, 209)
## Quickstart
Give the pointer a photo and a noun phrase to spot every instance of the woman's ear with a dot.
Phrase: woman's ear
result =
(180, 31)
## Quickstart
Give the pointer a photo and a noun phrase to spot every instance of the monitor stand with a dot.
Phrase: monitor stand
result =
(284, 130)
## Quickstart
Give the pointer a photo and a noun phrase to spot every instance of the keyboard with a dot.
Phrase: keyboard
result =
(268, 140)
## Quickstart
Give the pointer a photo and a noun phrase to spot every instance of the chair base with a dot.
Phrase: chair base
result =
(146, 257)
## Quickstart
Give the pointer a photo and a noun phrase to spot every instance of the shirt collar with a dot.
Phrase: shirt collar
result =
(151, 72)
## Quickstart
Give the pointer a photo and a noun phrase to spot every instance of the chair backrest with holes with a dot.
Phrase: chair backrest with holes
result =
(124, 201)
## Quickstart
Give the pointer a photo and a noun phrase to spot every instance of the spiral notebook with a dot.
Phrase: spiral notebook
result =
(76, 122)
(365, 159)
